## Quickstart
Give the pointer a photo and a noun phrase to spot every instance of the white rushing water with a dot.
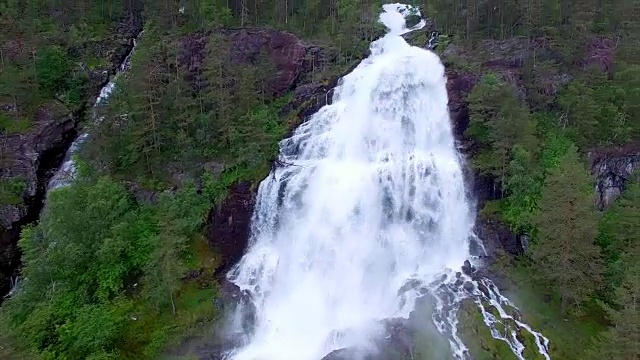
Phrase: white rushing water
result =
(375, 199)
(65, 174)
(369, 211)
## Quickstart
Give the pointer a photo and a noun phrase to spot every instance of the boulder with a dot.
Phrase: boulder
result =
(396, 342)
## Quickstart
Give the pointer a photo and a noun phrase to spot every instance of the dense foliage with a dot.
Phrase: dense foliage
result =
(104, 273)
(531, 135)
(42, 51)
(99, 266)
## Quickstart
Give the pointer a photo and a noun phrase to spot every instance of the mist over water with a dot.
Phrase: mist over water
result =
(369, 211)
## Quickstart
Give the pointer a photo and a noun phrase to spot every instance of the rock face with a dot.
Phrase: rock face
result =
(27, 160)
(611, 169)
(289, 59)
(497, 236)
(229, 225)
(292, 58)
(600, 54)
(459, 85)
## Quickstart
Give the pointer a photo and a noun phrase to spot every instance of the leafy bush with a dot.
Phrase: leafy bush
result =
(53, 67)
(11, 190)
(82, 261)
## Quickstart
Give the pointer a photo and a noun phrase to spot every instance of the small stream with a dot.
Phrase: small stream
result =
(65, 174)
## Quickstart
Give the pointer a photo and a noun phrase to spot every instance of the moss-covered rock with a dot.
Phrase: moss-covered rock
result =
(429, 343)
(477, 336)
(412, 20)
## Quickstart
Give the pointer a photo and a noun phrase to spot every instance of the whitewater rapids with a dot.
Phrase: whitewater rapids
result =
(374, 200)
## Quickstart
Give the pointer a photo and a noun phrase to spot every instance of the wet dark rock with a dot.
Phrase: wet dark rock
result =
(28, 160)
(484, 290)
(467, 268)
(497, 237)
(412, 20)
(31, 158)
(612, 168)
(113, 49)
(396, 342)
(459, 85)
(229, 225)
(419, 37)
(468, 286)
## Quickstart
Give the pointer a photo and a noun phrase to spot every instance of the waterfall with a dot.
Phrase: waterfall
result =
(65, 174)
(368, 212)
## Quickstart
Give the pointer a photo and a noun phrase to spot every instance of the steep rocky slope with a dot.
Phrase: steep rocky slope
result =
(28, 160)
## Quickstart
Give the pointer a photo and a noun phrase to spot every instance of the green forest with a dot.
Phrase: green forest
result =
(106, 276)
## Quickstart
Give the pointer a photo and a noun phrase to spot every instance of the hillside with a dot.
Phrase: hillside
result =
(128, 261)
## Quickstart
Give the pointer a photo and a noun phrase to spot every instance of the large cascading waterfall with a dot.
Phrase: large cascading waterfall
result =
(368, 213)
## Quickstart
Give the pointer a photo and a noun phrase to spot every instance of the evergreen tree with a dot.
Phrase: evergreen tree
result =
(500, 121)
(565, 253)
(622, 340)
(619, 233)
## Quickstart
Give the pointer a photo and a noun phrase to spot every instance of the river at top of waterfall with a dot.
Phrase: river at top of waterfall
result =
(372, 199)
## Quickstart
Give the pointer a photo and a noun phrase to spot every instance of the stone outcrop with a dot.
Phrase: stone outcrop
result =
(612, 168)
(600, 54)
(29, 159)
(459, 85)
(496, 237)
(229, 225)
(288, 59)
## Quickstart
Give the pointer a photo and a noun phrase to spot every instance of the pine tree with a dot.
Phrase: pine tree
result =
(500, 121)
(622, 340)
(619, 231)
(565, 253)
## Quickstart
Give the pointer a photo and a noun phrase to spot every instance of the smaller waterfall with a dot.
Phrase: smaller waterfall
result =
(499, 314)
(65, 174)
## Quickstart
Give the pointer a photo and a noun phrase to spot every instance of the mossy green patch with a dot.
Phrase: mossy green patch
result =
(11, 191)
(477, 336)
(11, 125)
(569, 337)
(430, 344)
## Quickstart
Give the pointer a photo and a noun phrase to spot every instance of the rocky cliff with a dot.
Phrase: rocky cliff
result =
(29, 159)
(612, 168)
